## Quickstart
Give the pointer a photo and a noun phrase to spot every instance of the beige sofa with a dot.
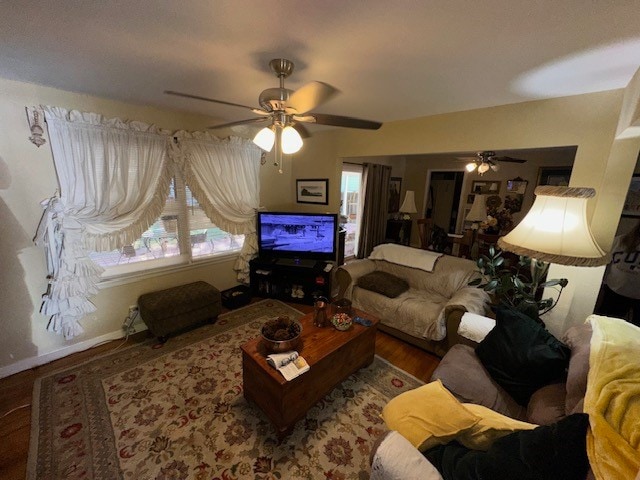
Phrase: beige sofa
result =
(429, 312)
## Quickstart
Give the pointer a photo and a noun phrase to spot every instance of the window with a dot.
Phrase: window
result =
(350, 206)
(183, 233)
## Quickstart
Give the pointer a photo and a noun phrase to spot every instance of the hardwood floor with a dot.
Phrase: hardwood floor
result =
(16, 390)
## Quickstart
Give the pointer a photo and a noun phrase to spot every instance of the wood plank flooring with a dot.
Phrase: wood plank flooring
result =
(16, 390)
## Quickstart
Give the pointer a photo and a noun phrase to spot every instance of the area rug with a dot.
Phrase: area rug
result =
(176, 411)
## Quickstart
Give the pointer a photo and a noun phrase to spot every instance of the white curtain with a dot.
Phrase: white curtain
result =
(224, 177)
(114, 179)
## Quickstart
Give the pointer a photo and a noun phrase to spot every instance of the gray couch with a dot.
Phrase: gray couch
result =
(428, 313)
(464, 375)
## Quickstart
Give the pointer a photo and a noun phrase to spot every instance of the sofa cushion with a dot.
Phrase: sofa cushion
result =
(427, 416)
(383, 283)
(547, 404)
(521, 355)
(578, 339)
(462, 373)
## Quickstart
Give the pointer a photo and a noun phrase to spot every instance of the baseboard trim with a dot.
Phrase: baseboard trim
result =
(32, 362)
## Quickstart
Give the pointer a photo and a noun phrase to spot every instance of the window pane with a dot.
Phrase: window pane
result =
(204, 237)
(350, 207)
(182, 216)
(159, 241)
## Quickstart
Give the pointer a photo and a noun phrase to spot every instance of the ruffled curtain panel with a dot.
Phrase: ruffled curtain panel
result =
(114, 178)
(209, 166)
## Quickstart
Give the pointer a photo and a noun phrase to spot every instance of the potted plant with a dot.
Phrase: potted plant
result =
(519, 287)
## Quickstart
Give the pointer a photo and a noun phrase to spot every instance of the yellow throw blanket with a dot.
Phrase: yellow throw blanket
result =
(613, 399)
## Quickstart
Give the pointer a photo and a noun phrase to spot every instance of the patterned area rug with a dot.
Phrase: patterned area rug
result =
(176, 411)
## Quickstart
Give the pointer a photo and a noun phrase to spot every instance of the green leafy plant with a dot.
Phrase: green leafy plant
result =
(519, 286)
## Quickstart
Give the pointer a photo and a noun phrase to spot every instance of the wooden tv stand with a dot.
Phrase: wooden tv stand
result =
(290, 280)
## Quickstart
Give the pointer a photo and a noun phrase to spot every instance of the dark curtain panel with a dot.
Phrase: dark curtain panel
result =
(374, 212)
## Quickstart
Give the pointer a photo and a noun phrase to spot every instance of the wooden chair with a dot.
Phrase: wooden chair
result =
(425, 231)
(485, 240)
(464, 243)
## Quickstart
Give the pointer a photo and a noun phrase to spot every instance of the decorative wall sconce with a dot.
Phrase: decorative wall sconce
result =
(35, 115)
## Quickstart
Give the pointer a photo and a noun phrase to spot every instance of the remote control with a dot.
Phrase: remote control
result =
(362, 321)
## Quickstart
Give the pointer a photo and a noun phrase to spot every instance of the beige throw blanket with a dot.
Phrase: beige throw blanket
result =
(407, 256)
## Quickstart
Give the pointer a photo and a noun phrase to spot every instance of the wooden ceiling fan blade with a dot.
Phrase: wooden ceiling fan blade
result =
(310, 96)
(339, 121)
(239, 122)
(509, 159)
(259, 111)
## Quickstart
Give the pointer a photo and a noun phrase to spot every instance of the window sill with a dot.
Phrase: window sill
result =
(124, 279)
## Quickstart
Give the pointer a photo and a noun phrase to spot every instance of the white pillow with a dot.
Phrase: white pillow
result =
(475, 327)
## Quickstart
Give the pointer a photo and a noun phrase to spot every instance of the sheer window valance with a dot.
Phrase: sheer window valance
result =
(114, 177)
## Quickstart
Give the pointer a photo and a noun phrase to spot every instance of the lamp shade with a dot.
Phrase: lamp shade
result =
(478, 212)
(409, 204)
(265, 138)
(556, 230)
(291, 140)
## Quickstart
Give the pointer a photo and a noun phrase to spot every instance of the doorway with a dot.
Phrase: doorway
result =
(443, 198)
(351, 206)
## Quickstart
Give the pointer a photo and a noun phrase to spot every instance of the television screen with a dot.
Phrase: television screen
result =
(297, 235)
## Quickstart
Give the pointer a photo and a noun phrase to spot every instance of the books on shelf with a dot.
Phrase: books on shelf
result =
(289, 364)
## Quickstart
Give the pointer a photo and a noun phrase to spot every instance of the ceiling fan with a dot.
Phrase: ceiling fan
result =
(487, 160)
(285, 111)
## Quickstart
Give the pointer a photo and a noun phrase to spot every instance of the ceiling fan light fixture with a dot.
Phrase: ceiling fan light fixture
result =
(471, 166)
(265, 138)
(483, 167)
(291, 140)
(495, 167)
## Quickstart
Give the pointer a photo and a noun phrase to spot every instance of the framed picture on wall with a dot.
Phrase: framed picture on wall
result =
(517, 185)
(395, 187)
(556, 176)
(632, 202)
(312, 190)
(486, 187)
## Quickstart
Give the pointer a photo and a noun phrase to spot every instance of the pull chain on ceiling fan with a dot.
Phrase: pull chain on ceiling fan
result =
(287, 110)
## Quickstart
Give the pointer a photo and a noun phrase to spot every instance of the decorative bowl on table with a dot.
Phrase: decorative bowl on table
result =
(341, 321)
(281, 334)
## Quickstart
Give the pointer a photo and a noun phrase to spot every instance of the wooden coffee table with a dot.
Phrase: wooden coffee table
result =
(332, 355)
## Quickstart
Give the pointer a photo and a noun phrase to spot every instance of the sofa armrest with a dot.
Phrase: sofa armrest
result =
(394, 458)
(471, 299)
(466, 299)
(347, 275)
(462, 373)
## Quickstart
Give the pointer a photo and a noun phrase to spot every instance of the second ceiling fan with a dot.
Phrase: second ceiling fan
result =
(285, 111)
(487, 160)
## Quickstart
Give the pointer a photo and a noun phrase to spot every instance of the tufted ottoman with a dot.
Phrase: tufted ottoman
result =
(166, 312)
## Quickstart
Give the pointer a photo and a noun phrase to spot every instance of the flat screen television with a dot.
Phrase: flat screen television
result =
(298, 236)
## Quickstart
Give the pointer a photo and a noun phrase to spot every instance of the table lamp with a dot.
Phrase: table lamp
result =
(478, 212)
(408, 206)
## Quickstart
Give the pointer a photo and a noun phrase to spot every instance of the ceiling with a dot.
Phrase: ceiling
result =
(390, 60)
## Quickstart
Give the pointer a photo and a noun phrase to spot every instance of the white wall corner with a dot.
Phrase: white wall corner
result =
(629, 120)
